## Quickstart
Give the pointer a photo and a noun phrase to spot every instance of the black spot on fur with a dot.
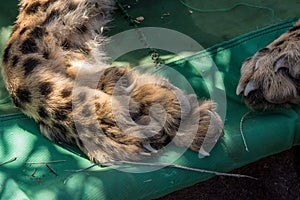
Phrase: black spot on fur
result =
(86, 112)
(29, 65)
(63, 111)
(68, 45)
(264, 50)
(33, 8)
(61, 128)
(61, 115)
(41, 123)
(276, 49)
(16, 102)
(46, 88)
(6, 53)
(67, 106)
(248, 59)
(24, 95)
(73, 126)
(15, 61)
(72, 6)
(47, 4)
(29, 46)
(23, 30)
(97, 106)
(82, 28)
(80, 143)
(43, 113)
(73, 140)
(46, 54)
(116, 71)
(84, 50)
(297, 35)
(37, 32)
(59, 135)
(81, 97)
(66, 92)
(107, 122)
(52, 16)
(92, 128)
(279, 43)
(294, 28)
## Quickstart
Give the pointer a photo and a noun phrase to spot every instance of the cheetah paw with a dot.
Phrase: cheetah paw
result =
(271, 77)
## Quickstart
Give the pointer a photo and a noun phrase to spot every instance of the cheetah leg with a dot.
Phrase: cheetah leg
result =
(158, 103)
(105, 134)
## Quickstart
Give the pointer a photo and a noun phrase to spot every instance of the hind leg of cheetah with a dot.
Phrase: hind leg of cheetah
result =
(154, 100)
(271, 77)
(133, 115)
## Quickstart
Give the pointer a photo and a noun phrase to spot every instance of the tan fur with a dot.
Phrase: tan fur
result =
(54, 41)
(271, 76)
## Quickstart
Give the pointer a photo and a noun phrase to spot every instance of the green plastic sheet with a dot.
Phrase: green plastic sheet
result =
(266, 133)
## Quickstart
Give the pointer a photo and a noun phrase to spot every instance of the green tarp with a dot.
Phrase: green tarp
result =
(265, 133)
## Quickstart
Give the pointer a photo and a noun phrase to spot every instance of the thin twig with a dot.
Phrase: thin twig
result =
(77, 171)
(164, 165)
(66, 180)
(52, 170)
(81, 170)
(241, 130)
(45, 162)
(33, 173)
(179, 167)
(9, 161)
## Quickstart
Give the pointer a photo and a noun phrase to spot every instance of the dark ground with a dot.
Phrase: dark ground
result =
(278, 178)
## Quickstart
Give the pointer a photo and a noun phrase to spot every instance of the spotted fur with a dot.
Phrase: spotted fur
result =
(55, 40)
